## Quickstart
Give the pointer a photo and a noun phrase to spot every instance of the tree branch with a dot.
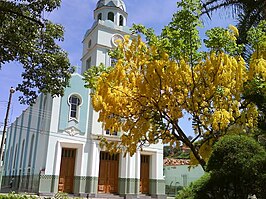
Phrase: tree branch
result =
(20, 13)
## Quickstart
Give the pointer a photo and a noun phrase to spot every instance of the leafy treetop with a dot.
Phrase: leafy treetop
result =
(30, 39)
(236, 169)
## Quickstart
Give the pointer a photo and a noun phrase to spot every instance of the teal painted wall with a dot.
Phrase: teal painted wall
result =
(35, 147)
(8, 148)
(18, 152)
(27, 143)
(181, 175)
(76, 87)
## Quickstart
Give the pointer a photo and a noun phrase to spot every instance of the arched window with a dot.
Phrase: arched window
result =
(74, 102)
(99, 16)
(10, 160)
(111, 16)
(121, 20)
(88, 63)
(31, 150)
(15, 157)
(22, 153)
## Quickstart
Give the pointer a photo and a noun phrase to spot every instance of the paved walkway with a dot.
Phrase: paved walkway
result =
(6, 190)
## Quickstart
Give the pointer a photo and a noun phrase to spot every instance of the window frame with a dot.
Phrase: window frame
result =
(113, 62)
(88, 63)
(99, 16)
(121, 20)
(78, 105)
(111, 133)
(111, 16)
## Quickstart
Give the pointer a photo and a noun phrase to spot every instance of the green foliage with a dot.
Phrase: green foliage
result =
(175, 152)
(222, 40)
(257, 36)
(92, 74)
(13, 195)
(237, 164)
(255, 91)
(182, 32)
(28, 38)
(180, 38)
(236, 169)
(166, 151)
(192, 191)
(248, 14)
(149, 34)
(183, 155)
(61, 195)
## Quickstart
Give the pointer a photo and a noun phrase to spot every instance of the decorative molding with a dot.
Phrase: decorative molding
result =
(116, 39)
(108, 137)
(88, 178)
(49, 177)
(72, 131)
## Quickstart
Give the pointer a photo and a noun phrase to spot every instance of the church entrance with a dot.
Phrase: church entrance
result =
(144, 174)
(108, 173)
(67, 167)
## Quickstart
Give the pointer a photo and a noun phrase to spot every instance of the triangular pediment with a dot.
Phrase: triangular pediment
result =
(111, 4)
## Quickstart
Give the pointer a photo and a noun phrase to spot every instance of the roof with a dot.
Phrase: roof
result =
(111, 3)
(175, 162)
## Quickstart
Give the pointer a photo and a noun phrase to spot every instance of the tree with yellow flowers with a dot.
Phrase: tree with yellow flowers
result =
(155, 82)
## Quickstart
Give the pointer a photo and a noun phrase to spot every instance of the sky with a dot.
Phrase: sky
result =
(77, 16)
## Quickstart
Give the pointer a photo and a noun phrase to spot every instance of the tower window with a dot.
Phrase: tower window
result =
(108, 132)
(89, 44)
(74, 102)
(99, 16)
(111, 16)
(113, 62)
(88, 63)
(121, 20)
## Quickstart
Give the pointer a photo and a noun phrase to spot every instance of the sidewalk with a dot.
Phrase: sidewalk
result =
(7, 190)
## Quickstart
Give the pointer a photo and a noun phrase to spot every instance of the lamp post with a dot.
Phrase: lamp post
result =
(11, 91)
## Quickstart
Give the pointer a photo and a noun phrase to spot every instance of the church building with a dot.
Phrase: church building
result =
(53, 146)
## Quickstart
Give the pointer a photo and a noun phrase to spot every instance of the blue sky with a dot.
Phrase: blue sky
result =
(77, 16)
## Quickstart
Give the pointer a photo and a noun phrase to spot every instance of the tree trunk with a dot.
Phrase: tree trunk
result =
(182, 137)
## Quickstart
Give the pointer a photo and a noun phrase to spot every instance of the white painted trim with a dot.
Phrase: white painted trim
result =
(56, 104)
(78, 108)
(78, 159)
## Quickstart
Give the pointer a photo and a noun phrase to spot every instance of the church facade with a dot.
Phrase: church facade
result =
(54, 145)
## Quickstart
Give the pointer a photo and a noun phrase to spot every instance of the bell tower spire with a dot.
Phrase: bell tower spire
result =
(112, 10)
(110, 19)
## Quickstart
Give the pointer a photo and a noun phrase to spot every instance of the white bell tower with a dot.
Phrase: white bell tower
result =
(109, 24)
(110, 18)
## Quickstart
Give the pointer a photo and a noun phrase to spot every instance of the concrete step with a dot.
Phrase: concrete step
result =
(107, 196)
(114, 196)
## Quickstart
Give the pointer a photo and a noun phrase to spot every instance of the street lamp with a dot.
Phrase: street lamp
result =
(11, 91)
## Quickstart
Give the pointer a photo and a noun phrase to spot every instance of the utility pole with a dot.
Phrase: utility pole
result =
(11, 91)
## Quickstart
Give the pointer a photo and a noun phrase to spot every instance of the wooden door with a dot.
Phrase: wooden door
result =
(144, 174)
(67, 167)
(108, 173)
